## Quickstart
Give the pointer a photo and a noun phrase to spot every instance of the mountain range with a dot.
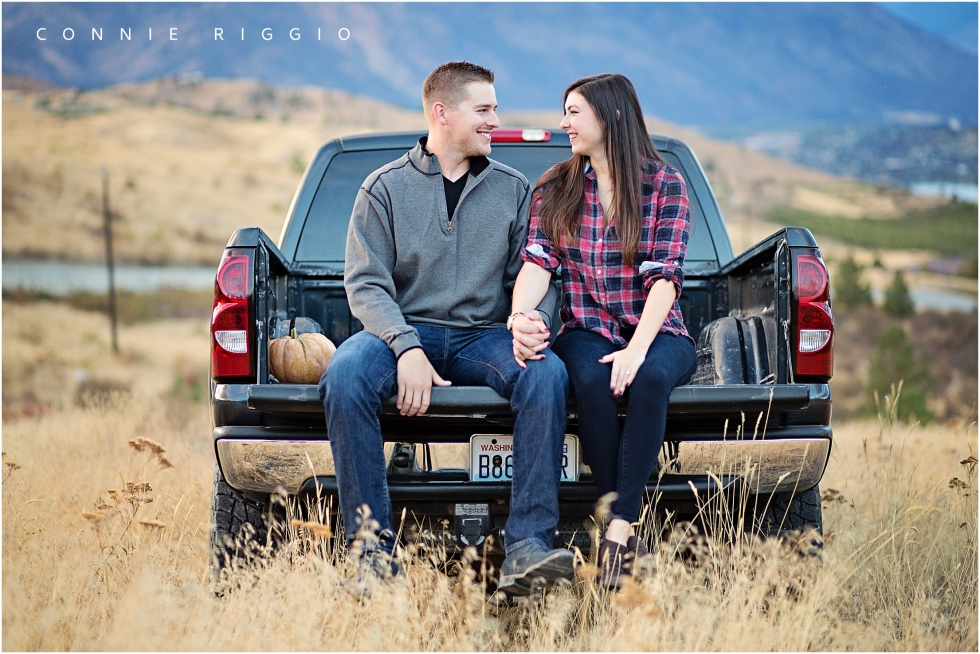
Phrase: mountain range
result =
(713, 65)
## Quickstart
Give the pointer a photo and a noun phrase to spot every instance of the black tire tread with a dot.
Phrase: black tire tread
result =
(238, 525)
(788, 513)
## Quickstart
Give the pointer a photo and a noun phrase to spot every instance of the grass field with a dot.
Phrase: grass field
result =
(106, 511)
(950, 229)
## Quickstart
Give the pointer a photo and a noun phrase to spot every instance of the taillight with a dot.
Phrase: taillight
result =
(231, 333)
(520, 135)
(814, 331)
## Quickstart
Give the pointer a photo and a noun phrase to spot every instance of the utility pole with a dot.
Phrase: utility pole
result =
(107, 216)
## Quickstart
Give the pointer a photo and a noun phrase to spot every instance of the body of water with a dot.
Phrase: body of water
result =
(948, 190)
(58, 278)
(937, 299)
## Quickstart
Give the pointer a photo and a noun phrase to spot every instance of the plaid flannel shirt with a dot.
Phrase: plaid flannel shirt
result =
(600, 293)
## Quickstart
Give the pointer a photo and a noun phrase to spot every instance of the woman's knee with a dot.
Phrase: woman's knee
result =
(581, 351)
(589, 374)
(668, 362)
(653, 379)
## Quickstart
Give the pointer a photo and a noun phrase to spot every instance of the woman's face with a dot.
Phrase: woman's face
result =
(582, 125)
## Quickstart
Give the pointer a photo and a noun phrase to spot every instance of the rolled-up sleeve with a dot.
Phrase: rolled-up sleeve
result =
(672, 226)
(539, 249)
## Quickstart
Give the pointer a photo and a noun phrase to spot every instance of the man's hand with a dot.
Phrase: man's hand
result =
(415, 378)
(530, 337)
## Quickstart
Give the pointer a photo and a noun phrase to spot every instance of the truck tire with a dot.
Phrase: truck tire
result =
(789, 513)
(239, 525)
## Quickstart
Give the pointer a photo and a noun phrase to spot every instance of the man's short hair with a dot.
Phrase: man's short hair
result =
(447, 83)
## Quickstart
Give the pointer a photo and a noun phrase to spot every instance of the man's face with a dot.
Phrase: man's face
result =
(468, 126)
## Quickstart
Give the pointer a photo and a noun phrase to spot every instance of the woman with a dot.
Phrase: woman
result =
(614, 216)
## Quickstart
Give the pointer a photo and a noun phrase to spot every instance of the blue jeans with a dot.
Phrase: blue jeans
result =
(623, 459)
(363, 373)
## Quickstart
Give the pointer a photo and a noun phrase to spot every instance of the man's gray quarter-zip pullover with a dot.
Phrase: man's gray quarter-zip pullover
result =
(408, 261)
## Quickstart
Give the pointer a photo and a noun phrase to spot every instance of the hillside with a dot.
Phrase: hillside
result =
(182, 178)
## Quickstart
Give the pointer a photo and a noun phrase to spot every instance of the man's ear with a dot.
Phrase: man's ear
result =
(439, 113)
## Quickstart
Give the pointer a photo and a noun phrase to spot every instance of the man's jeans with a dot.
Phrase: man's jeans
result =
(363, 373)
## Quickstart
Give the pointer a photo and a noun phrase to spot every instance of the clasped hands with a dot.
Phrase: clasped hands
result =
(530, 337)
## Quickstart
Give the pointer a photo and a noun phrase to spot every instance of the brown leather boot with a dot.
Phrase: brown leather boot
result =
(636, 550)
(610, 560)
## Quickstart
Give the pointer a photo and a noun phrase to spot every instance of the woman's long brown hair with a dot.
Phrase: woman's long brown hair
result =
(614, 102)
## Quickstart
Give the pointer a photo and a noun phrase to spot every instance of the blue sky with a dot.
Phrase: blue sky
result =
(954, 21)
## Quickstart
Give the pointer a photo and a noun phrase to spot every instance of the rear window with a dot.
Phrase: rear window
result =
(324, 233)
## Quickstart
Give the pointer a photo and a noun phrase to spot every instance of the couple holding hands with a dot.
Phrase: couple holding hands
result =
(448, 266)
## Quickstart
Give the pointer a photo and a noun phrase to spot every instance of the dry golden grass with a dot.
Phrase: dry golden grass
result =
(105, 547)
(51, 351)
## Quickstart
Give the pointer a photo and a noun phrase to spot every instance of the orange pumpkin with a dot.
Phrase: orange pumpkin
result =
(300, 359)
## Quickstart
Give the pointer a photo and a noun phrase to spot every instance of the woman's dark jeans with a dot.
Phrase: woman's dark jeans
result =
(622, 460)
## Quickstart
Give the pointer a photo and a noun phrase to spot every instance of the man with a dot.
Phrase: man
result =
(433, 249)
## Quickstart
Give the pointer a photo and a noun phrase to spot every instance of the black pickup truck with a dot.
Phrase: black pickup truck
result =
(752, 428)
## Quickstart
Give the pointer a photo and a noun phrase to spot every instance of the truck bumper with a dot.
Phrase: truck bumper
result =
(768, 438)
(253, 463)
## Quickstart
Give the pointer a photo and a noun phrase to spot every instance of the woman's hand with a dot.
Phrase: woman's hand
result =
(530, 337)
(625, 364)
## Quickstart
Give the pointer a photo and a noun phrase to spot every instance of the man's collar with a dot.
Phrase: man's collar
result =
(430, 162)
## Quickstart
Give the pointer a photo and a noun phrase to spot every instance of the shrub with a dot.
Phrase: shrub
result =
(898, 300)
(847, 288)
(893, 365)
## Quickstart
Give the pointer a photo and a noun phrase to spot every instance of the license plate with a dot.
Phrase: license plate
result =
(492, 458)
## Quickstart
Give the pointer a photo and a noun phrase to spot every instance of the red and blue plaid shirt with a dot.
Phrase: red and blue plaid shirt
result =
(600, 293)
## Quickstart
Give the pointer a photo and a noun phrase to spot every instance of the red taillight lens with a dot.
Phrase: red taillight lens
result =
(230, 329)
(520, 135)
(812, 278)
(814, 333)
(233, 277)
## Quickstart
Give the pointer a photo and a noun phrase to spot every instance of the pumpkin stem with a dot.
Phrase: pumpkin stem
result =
(292, 333)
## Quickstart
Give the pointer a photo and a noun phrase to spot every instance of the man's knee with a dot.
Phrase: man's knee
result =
(547, 372)
(351, 374)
